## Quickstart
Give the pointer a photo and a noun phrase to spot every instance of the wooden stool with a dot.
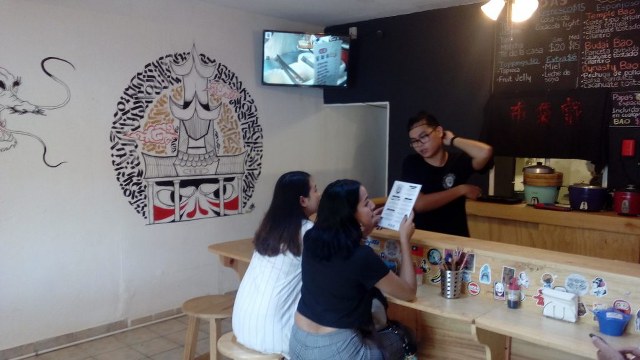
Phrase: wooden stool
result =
(213, 308)
(231, 348)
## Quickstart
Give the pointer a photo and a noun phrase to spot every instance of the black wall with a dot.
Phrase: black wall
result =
(439, 61)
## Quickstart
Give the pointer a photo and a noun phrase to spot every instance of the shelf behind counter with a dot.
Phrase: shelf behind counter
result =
(598, 234)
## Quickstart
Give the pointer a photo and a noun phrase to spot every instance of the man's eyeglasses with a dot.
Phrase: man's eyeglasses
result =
(421, 140)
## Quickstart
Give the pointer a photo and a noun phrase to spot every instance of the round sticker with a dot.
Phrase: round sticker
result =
(473, 288)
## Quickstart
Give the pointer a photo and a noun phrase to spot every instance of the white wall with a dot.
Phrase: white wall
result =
(74, 254)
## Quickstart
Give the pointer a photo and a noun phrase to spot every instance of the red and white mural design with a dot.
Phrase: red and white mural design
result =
(185, 141)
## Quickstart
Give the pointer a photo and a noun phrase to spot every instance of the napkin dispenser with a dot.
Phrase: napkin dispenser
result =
(560, 305)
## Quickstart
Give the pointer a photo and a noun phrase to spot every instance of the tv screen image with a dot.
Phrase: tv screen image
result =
(304, 59)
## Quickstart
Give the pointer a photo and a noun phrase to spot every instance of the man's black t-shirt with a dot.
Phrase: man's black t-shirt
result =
(450, 218)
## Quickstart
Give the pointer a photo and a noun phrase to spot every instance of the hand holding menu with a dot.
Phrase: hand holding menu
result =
(399, 203)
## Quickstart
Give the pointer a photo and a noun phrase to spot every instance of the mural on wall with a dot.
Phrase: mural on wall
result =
(185, 142)
(12, 103)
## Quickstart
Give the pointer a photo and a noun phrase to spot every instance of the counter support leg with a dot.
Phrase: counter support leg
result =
(497, 346)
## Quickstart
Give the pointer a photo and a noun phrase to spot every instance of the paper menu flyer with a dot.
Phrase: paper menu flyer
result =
(399, 203)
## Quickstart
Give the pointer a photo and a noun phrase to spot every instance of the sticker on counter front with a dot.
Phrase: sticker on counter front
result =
(466, 276)
(582, 310)
(473, 288)
(485, 274)
(539, 298)
(498, 291)
(436, 278)
(470, 262)
(434, 256)
(417, 251)
(508, 273)
(623, 306)
(547, 280)
(523, 280)
(392, 249)
(373, 243)
(576, 284)
(424, 265)
(598, 287)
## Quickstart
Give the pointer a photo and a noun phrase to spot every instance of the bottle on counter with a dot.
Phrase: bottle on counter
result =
(513, 294)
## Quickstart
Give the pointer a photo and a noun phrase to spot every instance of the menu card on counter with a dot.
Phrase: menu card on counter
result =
(399, 203)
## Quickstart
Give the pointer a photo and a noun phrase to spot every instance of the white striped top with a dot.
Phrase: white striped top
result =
(267, 300)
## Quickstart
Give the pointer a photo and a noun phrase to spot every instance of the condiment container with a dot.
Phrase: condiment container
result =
(612, 322)
(513, 294)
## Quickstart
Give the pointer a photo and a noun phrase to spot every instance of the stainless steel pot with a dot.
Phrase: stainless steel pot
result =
(538, 168)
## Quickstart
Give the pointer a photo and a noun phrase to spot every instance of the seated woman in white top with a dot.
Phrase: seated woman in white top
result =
(270, 289)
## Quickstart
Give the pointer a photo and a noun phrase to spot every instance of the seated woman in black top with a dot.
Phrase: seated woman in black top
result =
(340, 278)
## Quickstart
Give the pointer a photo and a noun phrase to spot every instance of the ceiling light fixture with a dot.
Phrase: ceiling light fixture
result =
(520, 10)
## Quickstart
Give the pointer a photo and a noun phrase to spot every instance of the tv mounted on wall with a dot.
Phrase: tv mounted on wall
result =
(304, 59)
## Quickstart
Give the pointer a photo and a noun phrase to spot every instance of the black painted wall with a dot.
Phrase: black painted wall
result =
(439, 61)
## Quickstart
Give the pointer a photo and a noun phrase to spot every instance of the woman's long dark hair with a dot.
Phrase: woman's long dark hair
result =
(336, 231)
(279, 230)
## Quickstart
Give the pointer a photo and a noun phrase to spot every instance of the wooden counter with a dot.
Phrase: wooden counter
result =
(529, 334)
(598, 234)
(481, 327)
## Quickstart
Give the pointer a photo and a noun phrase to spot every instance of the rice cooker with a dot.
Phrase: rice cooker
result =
(541, 184)
(587, 197)
(626, 201)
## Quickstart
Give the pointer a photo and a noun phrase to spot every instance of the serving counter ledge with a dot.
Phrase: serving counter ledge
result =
(598, 234)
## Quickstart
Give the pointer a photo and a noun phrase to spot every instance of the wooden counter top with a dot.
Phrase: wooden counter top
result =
(483, 320)
(602, 220)
(429, 300)
(565, 336)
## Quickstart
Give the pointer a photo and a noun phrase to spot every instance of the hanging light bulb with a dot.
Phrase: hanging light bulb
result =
(493, 8)
(521, 10)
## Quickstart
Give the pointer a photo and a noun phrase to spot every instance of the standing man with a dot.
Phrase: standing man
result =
(440, 207)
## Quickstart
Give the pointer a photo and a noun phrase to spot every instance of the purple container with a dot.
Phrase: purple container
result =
(587, 197)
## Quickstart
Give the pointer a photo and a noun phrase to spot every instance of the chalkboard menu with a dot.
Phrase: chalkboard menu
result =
(570, 44)
(625, 109)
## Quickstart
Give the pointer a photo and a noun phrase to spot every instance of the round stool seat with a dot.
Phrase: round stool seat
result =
(209, 307)
(229, 346)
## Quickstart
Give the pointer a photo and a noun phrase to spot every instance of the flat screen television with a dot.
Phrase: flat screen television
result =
(304, 59)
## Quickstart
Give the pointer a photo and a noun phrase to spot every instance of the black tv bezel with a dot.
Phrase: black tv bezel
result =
(348, 70)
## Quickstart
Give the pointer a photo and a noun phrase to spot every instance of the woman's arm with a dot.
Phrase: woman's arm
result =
(404, 286)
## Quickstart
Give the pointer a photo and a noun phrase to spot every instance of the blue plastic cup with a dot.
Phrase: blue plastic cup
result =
(612, 322)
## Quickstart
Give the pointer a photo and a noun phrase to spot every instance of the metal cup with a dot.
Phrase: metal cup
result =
(450, 283)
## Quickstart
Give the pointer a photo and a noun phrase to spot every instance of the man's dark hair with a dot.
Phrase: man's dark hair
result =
(430, 120)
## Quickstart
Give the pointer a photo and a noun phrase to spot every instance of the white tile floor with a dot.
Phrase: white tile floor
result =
(159, 341)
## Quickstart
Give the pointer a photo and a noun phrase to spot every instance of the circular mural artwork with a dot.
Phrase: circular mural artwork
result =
(185, 141)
